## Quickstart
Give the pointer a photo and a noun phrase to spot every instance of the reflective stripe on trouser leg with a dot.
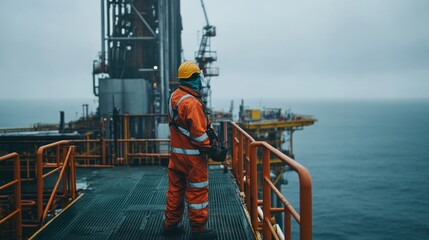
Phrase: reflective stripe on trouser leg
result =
(198, 215)
(198, 184)
(197, 195)
(198, 206)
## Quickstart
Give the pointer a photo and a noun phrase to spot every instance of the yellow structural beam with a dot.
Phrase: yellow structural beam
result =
(261, 125)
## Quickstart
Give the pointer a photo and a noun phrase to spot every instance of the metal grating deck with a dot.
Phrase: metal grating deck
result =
(129, 203)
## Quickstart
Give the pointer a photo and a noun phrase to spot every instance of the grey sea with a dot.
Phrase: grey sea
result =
(369, 161)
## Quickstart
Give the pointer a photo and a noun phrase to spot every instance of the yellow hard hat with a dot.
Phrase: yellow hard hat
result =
(186, 70)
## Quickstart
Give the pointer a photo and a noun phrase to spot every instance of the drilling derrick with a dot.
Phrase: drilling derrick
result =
(205, 57)
(140, 54)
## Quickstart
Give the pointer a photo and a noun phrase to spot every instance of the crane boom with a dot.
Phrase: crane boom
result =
(205, 13)
(205, 57)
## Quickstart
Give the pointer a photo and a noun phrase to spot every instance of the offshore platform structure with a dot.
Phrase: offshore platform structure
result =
(133, 77)
(137, 66)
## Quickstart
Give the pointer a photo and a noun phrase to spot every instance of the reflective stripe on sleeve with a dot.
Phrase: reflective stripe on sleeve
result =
(184, 131)
(200, 138)
(198, 205)
(199, 184)
(185, 151)
(196, 139)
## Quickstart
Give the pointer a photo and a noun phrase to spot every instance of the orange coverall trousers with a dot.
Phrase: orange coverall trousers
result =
(188, 180)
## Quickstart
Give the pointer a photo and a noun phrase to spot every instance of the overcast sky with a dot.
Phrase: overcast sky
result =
(266, 49)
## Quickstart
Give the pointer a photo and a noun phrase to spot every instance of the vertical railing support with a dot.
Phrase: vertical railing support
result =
(39, 173)
(305, 204)
(234, 161)
(266, 192)
(254, 187)
(58, 155)
(17, 189)
(287, 225)
(240, 162)
(103, 151)
(126, 136)
(73, 177)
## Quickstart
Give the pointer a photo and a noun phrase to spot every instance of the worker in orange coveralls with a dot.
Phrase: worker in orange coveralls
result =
(191, 142)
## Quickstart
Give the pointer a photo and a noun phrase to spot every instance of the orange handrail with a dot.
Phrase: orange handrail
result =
(128, 153)
(17, 191)
(305, 217)
(62, 162)
(92, 151)
(244, 156)
(67, 162)
(128, 146)
(241, 141)
(240, 151)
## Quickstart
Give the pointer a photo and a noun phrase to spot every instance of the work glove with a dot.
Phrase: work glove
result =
(217, 152)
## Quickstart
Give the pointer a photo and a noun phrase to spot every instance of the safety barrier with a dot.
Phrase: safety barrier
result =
(96, 152)
(304, 219)
(65, 165)
(241, 153)
(139, 148)
(241, 141)
(151, 150)
(91, 153)
(245, 148)
(16, 182)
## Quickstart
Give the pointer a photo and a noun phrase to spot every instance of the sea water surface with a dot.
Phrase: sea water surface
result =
(24, 113)
(369, 161)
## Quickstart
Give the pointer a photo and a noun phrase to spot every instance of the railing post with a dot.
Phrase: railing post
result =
(103, 150)
(65, 177)
(126, 137)
(266, 191)
(17, 189)
(72, 174)
(88, 145)
(39, 172)
(287, 225)
(58, 156)
(63, 152)
(305, 205)
(103, 142)
(254, 187)
(234, 150)
(248, 177)
(240, 161)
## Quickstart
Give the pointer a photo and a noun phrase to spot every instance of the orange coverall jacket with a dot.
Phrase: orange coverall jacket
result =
(187, 169)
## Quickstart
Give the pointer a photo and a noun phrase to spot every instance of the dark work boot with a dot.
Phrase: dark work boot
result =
(173, 230)
(204, 235)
